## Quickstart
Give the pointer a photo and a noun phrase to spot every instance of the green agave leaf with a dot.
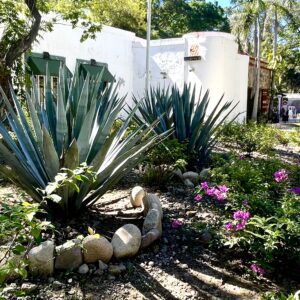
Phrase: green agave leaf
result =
(50, 155)
(61, 123)
(81, 108)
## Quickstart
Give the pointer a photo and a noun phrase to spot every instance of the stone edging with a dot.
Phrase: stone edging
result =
(126, 242)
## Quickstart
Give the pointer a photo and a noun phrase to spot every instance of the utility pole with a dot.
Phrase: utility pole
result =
(147, 83)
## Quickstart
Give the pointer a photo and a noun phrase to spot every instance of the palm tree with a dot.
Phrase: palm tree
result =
(251, 21)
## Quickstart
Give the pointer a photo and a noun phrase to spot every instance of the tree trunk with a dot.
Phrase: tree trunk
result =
(5, 78)
(275, 43)
(275, 40)
(257, 81)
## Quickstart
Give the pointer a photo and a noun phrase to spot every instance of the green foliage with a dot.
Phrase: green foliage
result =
(279, 24)
(173, 18)
(187, 114)
(70, 182)
(20, 229)
(167, 152)
(75, 129)
(272, 238)
(279, 296)
(250, 137)
(161, 161)
(271, 234)
(159, 176)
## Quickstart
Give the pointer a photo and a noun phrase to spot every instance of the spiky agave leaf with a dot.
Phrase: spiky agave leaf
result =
(156, 105)
(188, 115)
(65, 132)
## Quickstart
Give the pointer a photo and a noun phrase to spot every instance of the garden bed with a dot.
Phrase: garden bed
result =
(179, 266)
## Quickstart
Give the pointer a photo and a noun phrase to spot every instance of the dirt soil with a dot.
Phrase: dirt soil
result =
(181, 265)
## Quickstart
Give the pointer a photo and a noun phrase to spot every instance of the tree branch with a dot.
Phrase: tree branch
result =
(23, 44)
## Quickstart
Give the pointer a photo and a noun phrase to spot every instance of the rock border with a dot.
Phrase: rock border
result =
(126, 242)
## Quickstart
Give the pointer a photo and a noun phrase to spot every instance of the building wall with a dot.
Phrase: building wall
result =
(221, 69)
(166, 64)
(112, 46)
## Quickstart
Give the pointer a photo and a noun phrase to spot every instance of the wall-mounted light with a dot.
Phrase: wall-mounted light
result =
(164, 74)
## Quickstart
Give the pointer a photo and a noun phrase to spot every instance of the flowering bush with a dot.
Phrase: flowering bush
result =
(205, 191)
(261, 211)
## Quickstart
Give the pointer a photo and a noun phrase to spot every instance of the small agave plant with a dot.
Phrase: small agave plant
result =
(73, 132)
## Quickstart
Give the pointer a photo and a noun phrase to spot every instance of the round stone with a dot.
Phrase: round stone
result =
(96, 248)
(137, 195)
(126, 241)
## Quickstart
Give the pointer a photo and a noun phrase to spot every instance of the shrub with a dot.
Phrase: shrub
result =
(259, 209)
(73, 129)
(250, 137)
(19, 231)
(167, 152)
(187, 115)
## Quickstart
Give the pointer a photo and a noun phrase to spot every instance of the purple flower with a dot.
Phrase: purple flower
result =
(223, 188)
(204, 185)
(295, 190)
(176, 224)
(257, 269)
(229, 226)
(198, 198)
(241, 215)
(281, 176)
(211, 191)
(241, 156)
(245, 202)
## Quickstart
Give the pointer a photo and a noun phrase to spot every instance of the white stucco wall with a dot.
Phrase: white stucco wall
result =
(112, 46)
(221, 69)
(166, 63)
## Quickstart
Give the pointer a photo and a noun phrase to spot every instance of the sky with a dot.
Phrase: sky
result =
(223, 3)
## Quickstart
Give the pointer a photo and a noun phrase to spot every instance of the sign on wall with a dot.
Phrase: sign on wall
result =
(193, 52)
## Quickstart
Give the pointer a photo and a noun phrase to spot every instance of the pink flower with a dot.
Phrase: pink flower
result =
(204, 185)
(223, 188)
(219, 195)
(229, 226)
(243, 215)
(198, 198)
(281, 176)
(176, 224)
(257, 269)
(241, 225)
(211, 191)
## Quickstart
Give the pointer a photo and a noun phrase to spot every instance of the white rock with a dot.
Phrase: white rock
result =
(192, 176)
(151, 201)
(83, 269)
(96, 248)
(136, 196)
(69, 255)
(41, 259)
(126, 241)
(150, 237)
(152, 221)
